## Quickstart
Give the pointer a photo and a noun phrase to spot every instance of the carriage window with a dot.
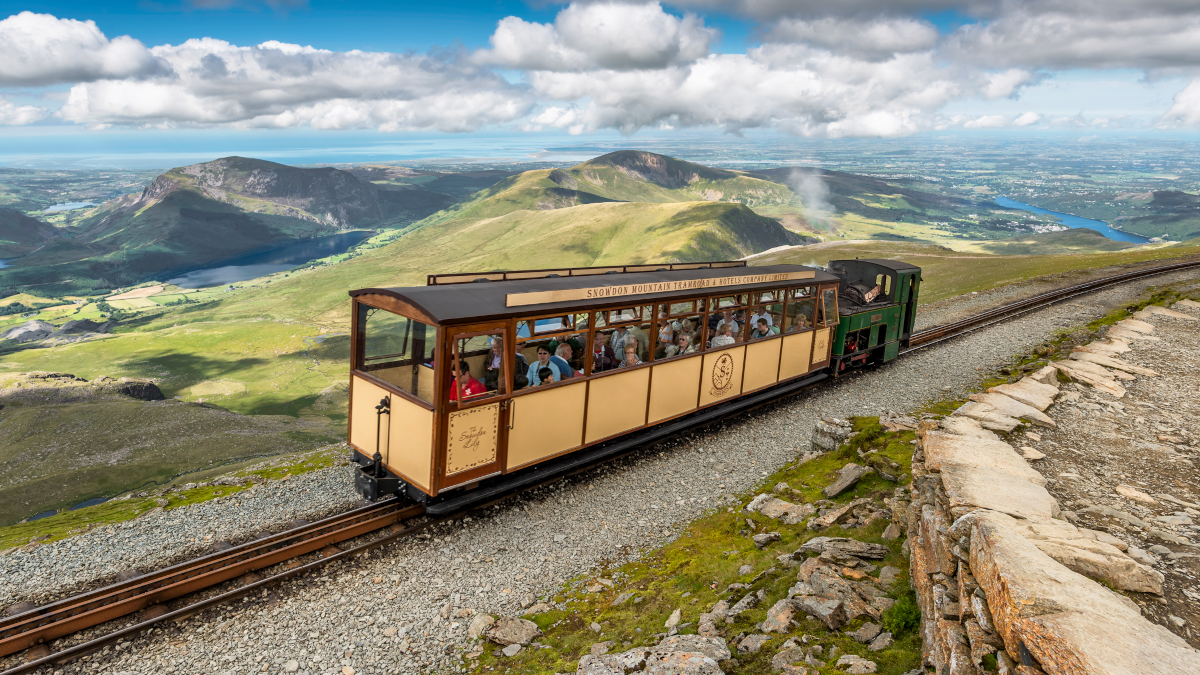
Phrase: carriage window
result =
(477, 368)
(829, 310)
(544, 326)
(679, 336)
(630, 346)
(765, 321)
(799, 316)
(397, 350)
(561, 355)
(680, 308)
(770, 296)
(726, 301)
(622, 315)
(726, 326)
(798, 293)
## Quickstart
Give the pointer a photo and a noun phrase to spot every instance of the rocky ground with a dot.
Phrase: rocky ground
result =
(384, 612)
(1130, 466)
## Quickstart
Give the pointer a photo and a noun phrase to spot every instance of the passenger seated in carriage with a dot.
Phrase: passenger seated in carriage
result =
(603, 357)
(763, 329)
(566, 354)
(724, 336)
(545, 376)
(470, 386)
(535, 368)
(631, 357)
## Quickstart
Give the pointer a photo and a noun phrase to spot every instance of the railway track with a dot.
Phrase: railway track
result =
(150, 593)
(938, 334)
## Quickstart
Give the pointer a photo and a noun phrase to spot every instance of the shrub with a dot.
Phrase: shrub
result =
(903, 617)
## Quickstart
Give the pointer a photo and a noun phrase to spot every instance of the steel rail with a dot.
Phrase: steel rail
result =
(93, 608)
(939, 334)
(70, 615)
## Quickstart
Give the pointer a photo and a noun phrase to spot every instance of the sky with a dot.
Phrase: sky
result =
(183, 71)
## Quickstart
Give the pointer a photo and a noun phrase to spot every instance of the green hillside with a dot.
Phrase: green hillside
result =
(20, 234)
(1064, 242)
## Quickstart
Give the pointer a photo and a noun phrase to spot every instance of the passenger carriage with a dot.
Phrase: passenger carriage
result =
(446, 402)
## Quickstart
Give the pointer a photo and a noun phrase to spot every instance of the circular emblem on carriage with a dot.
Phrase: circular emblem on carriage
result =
(722, 374)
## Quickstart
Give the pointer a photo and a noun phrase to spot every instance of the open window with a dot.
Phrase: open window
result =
(727, 320)
(801, 310)
(680, 329)
(397, 350)
(828, 307)
(477, 367)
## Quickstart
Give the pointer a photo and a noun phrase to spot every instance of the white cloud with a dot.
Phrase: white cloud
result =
(874, 39)
(987, 122)
(612, 35)
(794, 88)
(284, 85)
(1097, 34)
(1027, 118)
(12, 114)
(40, 49)
(1185, 111)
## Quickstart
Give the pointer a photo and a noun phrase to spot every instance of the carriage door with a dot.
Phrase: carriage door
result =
(477, 388)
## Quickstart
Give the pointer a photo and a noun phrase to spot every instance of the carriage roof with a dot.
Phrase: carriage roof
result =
(483, 301)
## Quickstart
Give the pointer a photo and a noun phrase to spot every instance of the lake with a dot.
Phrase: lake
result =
(70, 206)
(254, 265)
(1076, 221)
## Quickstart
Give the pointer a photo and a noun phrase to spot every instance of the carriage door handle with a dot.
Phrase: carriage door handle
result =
(512, 414)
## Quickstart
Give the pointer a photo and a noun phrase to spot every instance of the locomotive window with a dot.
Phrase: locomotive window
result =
(799, 316)
(679, 336)
(397, 350)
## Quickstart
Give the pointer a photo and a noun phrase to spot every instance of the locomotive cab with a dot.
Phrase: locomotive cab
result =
(877, 301)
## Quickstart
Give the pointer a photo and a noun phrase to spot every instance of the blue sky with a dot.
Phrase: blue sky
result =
(80, 73)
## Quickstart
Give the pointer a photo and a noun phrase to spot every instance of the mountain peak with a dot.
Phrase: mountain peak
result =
(654, 168)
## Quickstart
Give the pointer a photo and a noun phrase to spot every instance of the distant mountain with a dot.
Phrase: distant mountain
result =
(20, 234)
(195, 215)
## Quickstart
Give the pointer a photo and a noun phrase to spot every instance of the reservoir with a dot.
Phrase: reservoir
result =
(1076, 221)
(254, 265)
(69, 206)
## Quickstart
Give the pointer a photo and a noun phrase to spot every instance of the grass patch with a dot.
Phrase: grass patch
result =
(82, 520)
(692, 573)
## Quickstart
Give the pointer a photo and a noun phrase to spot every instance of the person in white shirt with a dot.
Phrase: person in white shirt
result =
(727, 321)
(756, 316)
(724, 336)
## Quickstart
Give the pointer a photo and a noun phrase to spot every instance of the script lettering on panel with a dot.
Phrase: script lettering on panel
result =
(472, 438)
(821, 345)
(605, 292)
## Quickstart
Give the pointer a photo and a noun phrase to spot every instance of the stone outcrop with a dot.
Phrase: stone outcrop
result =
(829, 433)
(677, 654)
(997, 572)
(847, 477)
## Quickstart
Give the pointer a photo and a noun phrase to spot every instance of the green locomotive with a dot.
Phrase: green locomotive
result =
(877, 308)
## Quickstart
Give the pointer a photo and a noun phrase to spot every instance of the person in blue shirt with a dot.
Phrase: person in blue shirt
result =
(543, 361)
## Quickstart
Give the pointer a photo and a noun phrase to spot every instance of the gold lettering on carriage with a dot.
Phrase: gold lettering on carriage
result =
(605, 292)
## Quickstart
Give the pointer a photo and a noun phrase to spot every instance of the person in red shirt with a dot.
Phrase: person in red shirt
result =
(470, 386)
